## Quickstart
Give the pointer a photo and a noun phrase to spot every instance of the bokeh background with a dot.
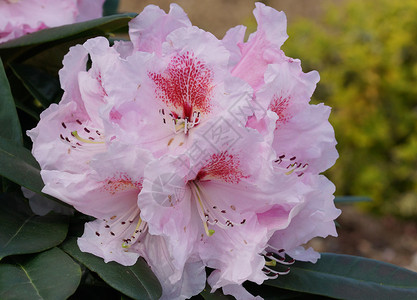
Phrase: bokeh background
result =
(366, 54)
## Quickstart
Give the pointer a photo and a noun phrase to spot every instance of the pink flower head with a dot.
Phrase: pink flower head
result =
(20, 17)
(218, 194)
(206, 151)
(83, 166)
(177, 79)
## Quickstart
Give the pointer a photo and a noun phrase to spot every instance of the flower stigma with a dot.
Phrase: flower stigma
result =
(211, 214)
(78, 137)
(272, 259)
(140, 227)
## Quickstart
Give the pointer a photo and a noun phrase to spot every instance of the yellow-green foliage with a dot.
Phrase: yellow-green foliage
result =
(366, 53)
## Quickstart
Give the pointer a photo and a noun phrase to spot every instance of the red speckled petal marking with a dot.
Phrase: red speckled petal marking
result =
(186, 84)
(279, 105)
(120, 183)
(223, 166)
(100, 81)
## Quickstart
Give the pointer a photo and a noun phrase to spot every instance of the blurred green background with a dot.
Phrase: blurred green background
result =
(366, 54)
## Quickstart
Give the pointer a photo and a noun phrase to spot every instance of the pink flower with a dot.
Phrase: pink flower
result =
(83, 166)
(298, 144)
(20, 17)
(205, 150)
(183, 72)
(212, 201)
(302, 137)
(251, 59)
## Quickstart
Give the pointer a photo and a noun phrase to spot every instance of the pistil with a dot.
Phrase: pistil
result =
(272, 259)
(89, 141)
(210, 213)
(139, 229)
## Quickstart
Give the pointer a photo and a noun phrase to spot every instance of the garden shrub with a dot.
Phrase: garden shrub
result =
(366, 53)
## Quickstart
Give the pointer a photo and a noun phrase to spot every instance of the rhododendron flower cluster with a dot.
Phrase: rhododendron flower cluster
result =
(192, 152)
(20, 17)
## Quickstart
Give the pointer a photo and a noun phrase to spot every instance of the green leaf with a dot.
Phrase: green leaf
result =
(274, 293)
(24, 232)
(18, 165)
(42, 86)
(9, 122)
(110, 7)
(48, 275)
(351, 199)
(217, 295)
(137, 281)
(52, 36)
(350, 277)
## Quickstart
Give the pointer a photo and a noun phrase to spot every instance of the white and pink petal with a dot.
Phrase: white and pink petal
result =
(262, 47)
(316, 218)
(308, 140)
(150, 28)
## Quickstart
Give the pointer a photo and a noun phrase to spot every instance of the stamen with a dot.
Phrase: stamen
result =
(76, 135)
(92, 140)
(292, 165)
(126, 242)
(120, 228)
(271, 256)
(210, 214)
(197, 193)
(273, 274)
(181, 124)
(272, 259)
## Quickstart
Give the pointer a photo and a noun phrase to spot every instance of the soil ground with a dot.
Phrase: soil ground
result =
(383, 238)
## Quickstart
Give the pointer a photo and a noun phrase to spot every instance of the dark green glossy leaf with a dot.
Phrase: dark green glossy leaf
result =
(135, 281)
(24, 232)
(274, 293)
(48, 275)
(24, 102)
(110, 7)
(52, 36)
(217, 295)
(351, 199)
(350, 277)
(18, 165)
(42, 86)
(50, 58)
(9, 122)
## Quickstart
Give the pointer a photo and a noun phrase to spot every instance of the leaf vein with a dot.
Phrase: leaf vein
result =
(17, 232)
(144, 286)
(30, 280)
